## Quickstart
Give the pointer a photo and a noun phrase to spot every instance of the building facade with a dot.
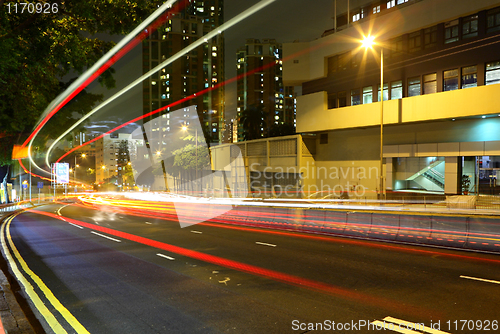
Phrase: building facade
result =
(440, 115)
(193, 72)
(260, 84)
(113, 153)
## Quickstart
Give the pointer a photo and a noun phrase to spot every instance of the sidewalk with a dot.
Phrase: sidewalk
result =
(13, 319)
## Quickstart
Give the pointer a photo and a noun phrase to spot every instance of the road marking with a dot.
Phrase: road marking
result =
(148, 223)
(165, 256)
(480, 279)
(198, 232)
(403, 326)
(264, 244)
(105, 236)
(76, 225)
(59, 210)
(30, 291)
(96, 222)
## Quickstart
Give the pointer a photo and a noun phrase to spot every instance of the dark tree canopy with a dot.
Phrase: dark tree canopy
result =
(37, 50)
(252, 120)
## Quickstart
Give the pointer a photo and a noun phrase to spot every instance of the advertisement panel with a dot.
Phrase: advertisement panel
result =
(62, 172)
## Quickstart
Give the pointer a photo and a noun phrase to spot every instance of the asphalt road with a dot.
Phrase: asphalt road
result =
(115, 273)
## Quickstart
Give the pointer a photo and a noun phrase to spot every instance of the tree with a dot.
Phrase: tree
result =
(253, 120)
(37, 50)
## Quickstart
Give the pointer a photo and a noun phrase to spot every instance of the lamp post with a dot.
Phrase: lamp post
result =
(74, 172)
(103, 169)
(184, 128)
(368, 42)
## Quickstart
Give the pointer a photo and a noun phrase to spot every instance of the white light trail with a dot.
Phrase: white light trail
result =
(255, 8)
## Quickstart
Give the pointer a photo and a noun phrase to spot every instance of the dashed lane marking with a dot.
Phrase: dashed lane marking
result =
(165, 256)
(265, 244)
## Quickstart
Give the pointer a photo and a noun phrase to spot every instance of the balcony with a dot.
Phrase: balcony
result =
(313, 115)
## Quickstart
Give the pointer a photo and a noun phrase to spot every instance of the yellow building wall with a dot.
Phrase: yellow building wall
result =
(313, 115)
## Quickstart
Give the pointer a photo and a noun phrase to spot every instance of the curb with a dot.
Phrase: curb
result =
(13, 319)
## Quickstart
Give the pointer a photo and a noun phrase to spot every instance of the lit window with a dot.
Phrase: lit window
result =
(414, 86)
(469, 76)
(367, 95)
(355, 17)
(397, 90)
(430, 83)
(450, 80)
(493, 73)
(391, 4)
(355, 98)
(376, 9)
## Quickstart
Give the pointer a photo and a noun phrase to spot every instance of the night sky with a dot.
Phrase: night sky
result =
(283, 20)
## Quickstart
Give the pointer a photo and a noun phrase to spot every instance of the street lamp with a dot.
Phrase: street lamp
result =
(368, 42)
(103, 167)
(74, 170)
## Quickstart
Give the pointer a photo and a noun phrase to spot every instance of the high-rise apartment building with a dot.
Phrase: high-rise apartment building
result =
(260, 83)
(110, 160)
(195, 71)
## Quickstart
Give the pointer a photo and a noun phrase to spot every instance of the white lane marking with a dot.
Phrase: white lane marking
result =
(403, 326)
(264, 244)
(165, 256)
(480, 279)
(95, 221)
(105, 236)
(76, 225)
(148, 223)
(198, 232)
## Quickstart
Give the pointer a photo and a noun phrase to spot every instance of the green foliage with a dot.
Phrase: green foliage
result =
(187, 159)
(37, 50)
(465, 184)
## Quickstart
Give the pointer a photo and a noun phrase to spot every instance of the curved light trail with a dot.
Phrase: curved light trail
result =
(179, 54)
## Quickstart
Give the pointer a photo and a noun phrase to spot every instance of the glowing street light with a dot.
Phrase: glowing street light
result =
(369, 42)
